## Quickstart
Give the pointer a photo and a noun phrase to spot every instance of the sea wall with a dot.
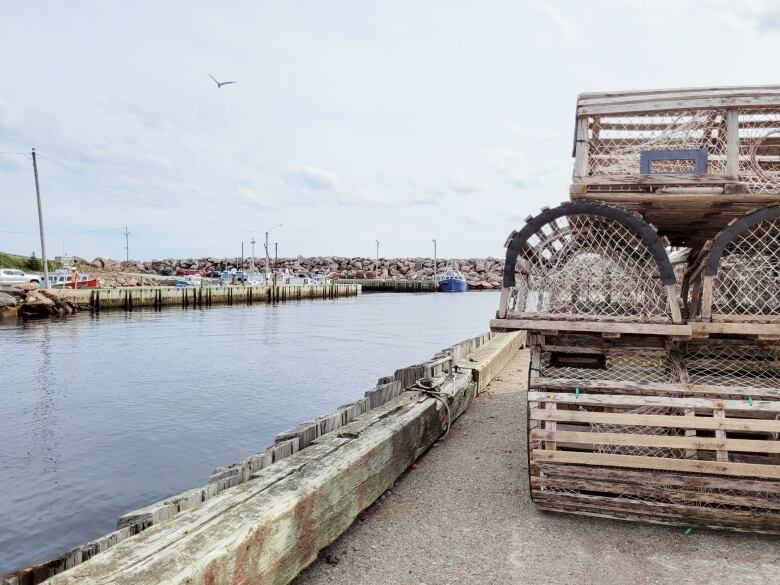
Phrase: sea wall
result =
(480, 273)
(263, 519)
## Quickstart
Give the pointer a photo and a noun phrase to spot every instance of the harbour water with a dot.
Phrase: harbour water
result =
(105, 414)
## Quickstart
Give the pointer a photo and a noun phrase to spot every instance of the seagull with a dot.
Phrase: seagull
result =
(219, 83)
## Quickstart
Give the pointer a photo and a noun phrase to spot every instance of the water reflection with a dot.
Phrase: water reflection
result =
(45, 441)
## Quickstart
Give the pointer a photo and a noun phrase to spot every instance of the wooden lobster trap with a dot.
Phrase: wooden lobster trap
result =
(737, 278)
(683, 437)
(652, 303)
(713, 152)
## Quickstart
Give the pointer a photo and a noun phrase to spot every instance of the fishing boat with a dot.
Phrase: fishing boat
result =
(452, 281)
(188, 280)
(69, 277)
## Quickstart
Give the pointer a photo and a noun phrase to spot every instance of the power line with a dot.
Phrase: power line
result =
(105, 230)
(140, 198)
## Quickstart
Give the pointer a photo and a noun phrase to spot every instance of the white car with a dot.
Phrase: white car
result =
(14, 276)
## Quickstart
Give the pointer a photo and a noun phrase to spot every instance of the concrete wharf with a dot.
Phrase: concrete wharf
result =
(463, 515)
(156, 297)
(389, 285)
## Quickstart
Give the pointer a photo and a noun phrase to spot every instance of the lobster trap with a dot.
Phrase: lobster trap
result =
(652, 306)
(687, 436)
(714, 153)
(585, 261)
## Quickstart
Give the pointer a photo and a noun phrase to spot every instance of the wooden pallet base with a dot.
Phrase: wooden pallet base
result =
(673, 499)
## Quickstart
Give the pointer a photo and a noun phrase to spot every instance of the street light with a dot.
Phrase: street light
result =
(253, 254)
(434, 266)
(267, 258)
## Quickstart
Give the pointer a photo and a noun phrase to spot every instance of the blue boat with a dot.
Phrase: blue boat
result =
(453, 281)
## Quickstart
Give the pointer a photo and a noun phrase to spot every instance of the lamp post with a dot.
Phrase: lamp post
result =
(253, 254)
(435, 286)
(267, 257)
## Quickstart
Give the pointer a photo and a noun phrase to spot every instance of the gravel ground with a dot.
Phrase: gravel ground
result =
(462, 515)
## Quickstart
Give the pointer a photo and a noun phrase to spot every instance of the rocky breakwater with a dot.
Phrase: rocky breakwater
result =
(27, 301)
(480, 273)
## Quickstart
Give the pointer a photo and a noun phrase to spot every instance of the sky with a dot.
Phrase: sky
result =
(350, 121)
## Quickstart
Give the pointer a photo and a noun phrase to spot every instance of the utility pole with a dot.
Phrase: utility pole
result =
(267, 256)
(253, 254)
(40, 222)
(276, 254)
(377, 252)
(242, 257)
(435, 286)
(127, 245)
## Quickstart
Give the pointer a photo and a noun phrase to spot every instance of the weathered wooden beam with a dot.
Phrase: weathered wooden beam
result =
(592, 326)
(268, 529)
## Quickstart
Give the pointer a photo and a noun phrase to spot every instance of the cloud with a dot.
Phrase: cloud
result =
(769, 21)
(311, 178)
(512, 166)
(473, 219)
(556, 15)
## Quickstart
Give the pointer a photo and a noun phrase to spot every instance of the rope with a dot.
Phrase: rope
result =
(425, 386)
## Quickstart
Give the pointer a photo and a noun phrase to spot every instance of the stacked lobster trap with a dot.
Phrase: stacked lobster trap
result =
(652, 304)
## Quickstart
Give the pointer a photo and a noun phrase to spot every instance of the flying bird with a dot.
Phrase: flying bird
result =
(219, 83)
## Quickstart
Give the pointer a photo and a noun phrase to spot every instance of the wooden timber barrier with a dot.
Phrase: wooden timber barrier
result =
(265, 518)
(157, 297)
(388, 285)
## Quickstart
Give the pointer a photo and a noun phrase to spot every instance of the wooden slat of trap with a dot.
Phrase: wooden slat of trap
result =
(645, 490)
(768, 520)
(655, 387)
(657, 463)
(658, 420)
(633, 401)
(669, 480)
(589, 439)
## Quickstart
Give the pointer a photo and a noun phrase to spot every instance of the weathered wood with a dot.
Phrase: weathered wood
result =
(658, 441)
(656, 388)
(724, 101)
(657, 179)
(581, 148)
(657, 420)
(268, 529)
(771, 329)
(631, 401)
(679, 495)
(720, 434)
(669, 479)
(673, 299)
(592, 326)
(685, 515)
(659, 463)
(732, 141)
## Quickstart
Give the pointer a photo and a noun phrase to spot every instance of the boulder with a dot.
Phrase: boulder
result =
(26, 286)
(14, 292)
(8, 312)
(37, 296)
(7, 300)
